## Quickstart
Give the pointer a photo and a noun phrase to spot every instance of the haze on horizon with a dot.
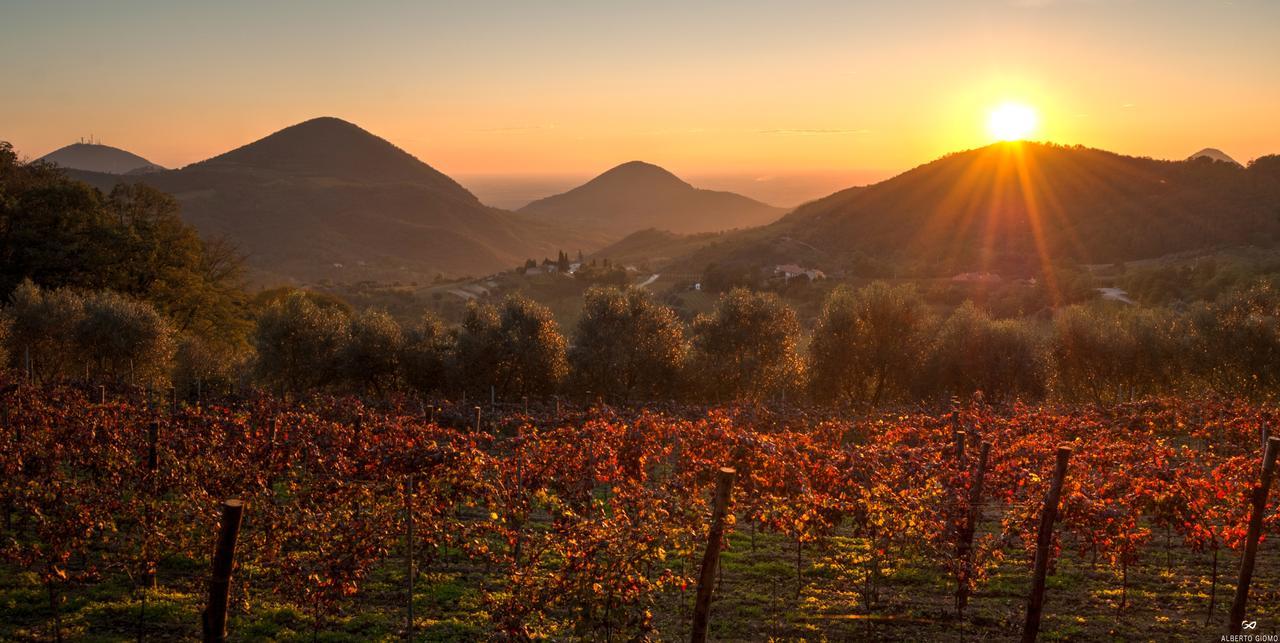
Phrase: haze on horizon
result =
(741, 91)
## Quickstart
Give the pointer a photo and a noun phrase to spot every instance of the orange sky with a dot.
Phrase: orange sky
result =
(574, 88)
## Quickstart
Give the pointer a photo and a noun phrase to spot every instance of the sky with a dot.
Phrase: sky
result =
(713, 88)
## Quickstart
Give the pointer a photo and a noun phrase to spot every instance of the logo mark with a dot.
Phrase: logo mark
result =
(1248, 625)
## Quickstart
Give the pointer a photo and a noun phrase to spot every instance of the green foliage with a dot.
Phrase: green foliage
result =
(517, 349)
(63, 233)
(1238, 340)
(425, 354)
(1108, 353)
(103, 335)
(626, 345)
(204, 367)
(866, 342)
(299, 344)
(123, 339)
(971, 354)
(747, 348)
(370, 360)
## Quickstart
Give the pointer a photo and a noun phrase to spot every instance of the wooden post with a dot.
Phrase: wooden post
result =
(711, 559)
(526, 405)
(215, 615)
(1035, 602)
(477, 419)
(493, 396)
(1255, 531)
(153, 436)
(102, 392)
(557, 407)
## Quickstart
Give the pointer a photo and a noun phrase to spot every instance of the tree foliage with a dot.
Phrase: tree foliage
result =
(627, 345)
(746, 349)
(866, 342)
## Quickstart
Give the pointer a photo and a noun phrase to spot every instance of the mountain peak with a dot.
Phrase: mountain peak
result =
(95, 157)
(1214, 154)
(638, 195)
(331, 148)
(640, 174)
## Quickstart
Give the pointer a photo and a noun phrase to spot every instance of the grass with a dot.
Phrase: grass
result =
(756, 599)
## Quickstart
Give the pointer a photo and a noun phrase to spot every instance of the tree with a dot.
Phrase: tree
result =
(866, 341)
(299, 343)
(627, 344)
(425, 354)
(370, 360)
(201, 366)
(124, 339)
(972, 353)
(1239, 340)
(747, 348)
(43, 325)
(517, 349)
(60, 232)
(1108, 353)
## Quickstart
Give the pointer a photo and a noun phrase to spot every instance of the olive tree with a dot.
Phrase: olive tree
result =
(626, 344)
(972, 353)
(42, 329)
(425, 354)
(516, 348)
(866, 341)
(746, 349)
(299, 343)
(370, 359)
(124, 339)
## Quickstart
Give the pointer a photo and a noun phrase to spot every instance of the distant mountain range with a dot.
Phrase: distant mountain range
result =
(325, 199)
(1011, 208)
(94, 157)
(636, 195)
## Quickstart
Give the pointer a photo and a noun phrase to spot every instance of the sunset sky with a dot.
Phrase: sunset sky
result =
(576, 87)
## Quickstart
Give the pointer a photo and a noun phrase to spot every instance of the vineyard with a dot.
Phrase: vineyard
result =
(447, 521)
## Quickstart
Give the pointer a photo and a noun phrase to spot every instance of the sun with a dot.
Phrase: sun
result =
(1012, 122)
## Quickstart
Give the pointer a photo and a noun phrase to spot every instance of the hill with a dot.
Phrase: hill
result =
(636, 196)
(326, 200)
(1213, 154)
(93, 157)
(1012, 207)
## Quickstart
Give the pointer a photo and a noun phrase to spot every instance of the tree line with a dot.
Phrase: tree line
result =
(872, 346)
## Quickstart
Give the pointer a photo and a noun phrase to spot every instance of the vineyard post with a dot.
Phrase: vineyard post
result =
(526, 405)
(214, 618)
(1255, 531)
(493, 396)
(557, 407)
(102, 393)
(1035, 602)
(477, 419)
(711, 559)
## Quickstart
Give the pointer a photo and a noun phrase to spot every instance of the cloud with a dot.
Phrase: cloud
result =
(814, 132)
(515, 128)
